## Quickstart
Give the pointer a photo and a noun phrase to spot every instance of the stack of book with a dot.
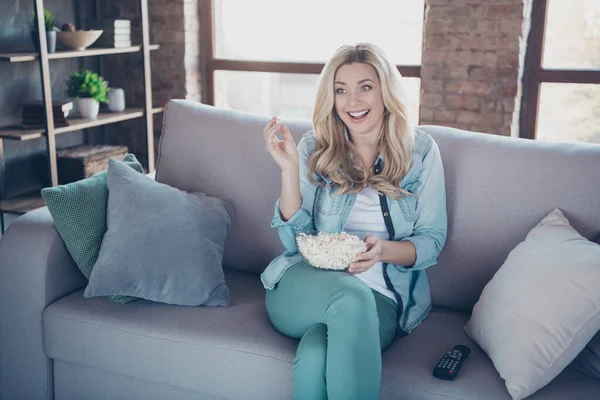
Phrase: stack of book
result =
(34, 116)
(117, 32)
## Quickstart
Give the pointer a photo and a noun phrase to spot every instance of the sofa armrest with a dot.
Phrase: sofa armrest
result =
(35, 271)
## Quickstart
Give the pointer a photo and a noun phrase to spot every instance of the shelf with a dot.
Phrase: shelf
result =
(22, 205)
(24, 57)
(76, 124)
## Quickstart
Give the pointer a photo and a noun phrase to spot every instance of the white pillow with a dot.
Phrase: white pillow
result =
(542, 306)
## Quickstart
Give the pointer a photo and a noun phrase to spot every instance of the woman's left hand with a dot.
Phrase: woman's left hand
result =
(366, 260)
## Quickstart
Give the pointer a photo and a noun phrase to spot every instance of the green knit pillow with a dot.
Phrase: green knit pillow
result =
(79, 213)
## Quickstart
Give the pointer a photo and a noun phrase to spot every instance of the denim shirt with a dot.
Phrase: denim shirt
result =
(420, 219)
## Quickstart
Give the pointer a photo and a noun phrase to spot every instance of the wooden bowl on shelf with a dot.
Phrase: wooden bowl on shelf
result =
(78, 40)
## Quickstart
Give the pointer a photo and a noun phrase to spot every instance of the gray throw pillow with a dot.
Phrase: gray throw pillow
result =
(162, 244)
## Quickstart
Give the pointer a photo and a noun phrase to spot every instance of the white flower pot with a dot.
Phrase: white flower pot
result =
(88, 108)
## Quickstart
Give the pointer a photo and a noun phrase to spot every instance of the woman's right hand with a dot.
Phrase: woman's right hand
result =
(284, 152)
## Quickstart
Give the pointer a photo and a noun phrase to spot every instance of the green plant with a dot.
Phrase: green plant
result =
(49, 21)
(87, 84)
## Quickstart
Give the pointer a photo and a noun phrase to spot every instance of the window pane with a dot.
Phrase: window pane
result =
(288, 96)
(569, 112)
(572, 34)
(311, 30)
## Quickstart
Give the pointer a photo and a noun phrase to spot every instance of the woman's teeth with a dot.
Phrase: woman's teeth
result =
(358, 114)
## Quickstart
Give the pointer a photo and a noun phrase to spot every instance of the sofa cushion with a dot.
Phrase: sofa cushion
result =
(79, 213)
(542, 307)
(235, 353)
(162, 244)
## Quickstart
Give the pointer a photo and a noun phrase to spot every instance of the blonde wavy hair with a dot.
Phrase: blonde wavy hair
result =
(334, 154)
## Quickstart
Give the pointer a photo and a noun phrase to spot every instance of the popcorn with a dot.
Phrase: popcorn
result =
(330, 250)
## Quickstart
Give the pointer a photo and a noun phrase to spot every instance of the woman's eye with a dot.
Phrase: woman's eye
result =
(340, 91)
(365, 88)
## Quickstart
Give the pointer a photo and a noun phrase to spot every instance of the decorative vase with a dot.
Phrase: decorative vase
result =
(50, 41)
(116, 100)
(88, 107)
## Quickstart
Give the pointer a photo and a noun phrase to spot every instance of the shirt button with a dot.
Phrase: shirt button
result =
(385, 214)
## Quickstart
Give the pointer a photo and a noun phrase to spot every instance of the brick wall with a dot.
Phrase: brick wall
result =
(472, 53)
(174, 24)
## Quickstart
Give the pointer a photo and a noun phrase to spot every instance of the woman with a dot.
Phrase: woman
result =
(363, 170)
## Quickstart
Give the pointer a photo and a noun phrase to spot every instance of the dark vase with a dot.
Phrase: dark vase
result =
(50, 41)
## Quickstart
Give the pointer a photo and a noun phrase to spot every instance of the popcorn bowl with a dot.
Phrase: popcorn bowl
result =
(333, 251)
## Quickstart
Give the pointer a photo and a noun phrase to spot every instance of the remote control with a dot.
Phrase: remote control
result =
(448, 367)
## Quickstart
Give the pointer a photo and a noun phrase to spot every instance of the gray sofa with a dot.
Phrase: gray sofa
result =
(54, 343)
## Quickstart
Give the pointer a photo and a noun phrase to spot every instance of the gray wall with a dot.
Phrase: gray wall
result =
(25, 162)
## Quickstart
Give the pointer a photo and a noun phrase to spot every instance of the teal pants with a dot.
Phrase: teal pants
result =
(343, 327)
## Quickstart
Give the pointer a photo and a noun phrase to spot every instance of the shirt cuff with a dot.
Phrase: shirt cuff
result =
(424, 257)
(298, 221)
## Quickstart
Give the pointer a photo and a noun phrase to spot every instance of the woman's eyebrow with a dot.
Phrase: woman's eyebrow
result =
(358, 83)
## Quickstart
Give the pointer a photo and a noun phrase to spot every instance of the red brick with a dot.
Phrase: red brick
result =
(468, 87)
(486, 26)
(509, 89)
(458, 73)
(481, 73)
(508, 43)
(468, 117)
(479, 11)
(508, 104)
(435, 41)
(504, 10)
(440, 26)
(437, 2)
(431, 100)
(463, 102)
(508, 59)
(463, 25)
(427, 114)
(492, 118)
(432, 86)
(434, 56)
(445, 115)
(511, 26)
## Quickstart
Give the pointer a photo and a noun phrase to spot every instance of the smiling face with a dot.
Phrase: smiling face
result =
(358, 99)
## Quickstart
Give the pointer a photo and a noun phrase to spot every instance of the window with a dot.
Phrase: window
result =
(265, 55)
(561, 100)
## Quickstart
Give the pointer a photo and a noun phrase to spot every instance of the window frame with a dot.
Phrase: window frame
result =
(212, 64)
(534, 75)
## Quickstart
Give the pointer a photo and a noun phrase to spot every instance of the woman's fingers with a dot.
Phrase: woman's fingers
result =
(270, 134)
(287, 135)
(359, 266)
(367, 255)
(269, 125)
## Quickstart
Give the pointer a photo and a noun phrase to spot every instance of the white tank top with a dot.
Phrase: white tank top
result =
(366, 218)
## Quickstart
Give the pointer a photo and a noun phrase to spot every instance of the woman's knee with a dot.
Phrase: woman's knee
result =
(357, 296)
(312, 348)
(354, 301)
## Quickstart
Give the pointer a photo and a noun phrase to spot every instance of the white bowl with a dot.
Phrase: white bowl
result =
(335, 251)
(78, 40)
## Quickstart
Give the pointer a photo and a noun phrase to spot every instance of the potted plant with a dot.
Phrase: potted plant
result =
(89, 90)
(50, 25)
